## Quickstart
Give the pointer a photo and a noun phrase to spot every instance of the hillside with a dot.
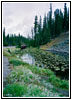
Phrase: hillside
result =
(60, 44)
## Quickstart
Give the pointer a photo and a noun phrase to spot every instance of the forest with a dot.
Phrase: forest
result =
(42, 33)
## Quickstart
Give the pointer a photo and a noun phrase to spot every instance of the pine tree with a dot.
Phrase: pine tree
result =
(68, 19)
(40, 30)
(57, 22)
(35, 30)
(44, 29)
(61, 21)
(7, 39)
(32, 32)
(52, 35)
(65, 18)
(32, 40)
(50, 19)
(4, 36)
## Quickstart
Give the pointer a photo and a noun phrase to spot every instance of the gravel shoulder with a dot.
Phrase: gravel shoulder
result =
(6, 70)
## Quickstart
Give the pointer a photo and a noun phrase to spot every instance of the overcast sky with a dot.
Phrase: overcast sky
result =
(19, 17)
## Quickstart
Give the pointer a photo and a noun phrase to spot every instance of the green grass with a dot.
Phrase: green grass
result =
(23, 75)
(40, 71)
(58, 82)
(5, 53)
(16, 62)
(14, 90)
(31, 90)
(34, 69)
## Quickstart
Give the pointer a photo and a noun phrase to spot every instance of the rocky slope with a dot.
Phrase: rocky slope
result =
(59, 44)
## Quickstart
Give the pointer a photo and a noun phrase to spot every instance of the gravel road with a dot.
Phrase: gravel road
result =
(6, 70)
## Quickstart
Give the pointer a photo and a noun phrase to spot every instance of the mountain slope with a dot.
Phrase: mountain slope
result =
(60, 43)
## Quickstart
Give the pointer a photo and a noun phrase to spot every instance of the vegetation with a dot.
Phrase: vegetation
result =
(14, 90)
(31, 81)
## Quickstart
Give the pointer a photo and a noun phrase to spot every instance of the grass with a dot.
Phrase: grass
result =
(34, 69)
(25, 80)
(31, 90)
(58, 82)
(14, 90)
(40, 71)
(5, 53)
(16, 62)
(23, 75)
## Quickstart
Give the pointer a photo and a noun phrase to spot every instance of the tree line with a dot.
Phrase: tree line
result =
(13, 40)
(42, 33)
(51, 26)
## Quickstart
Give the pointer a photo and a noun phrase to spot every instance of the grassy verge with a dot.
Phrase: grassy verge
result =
(41, 71)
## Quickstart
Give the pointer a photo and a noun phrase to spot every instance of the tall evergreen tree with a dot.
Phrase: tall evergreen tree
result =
(35, 29)
(61, 21)
(32, 33)
(57, 22)
(50, 19)
(44, 29)
(4, 36)
(68, 19)
(7, 39)
(52, 35)
(65, 18)
(40, 30)
(32, 40)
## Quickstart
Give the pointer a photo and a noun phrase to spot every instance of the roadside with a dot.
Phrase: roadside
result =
(6, 70)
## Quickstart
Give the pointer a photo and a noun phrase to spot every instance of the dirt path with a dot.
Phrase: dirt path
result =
(6, 70)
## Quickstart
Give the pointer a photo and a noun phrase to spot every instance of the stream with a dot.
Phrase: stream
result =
(28, 58)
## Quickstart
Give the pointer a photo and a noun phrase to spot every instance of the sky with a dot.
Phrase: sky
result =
(18, 17)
